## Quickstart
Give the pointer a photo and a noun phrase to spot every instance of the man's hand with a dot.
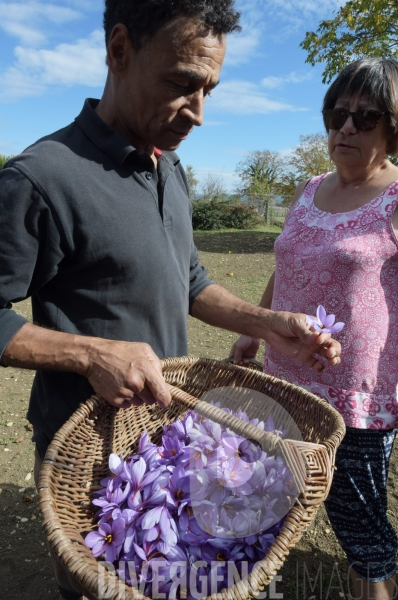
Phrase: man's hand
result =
(287, 332)
(290, 334)
(126, 374)
(243, 349)
(122, 373)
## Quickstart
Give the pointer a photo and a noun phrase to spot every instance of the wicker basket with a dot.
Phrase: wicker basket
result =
(78, 458)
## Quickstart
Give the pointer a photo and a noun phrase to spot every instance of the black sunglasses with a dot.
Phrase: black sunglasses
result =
(364, 120)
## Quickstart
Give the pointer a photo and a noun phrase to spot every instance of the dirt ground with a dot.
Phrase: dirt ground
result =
(315, 570)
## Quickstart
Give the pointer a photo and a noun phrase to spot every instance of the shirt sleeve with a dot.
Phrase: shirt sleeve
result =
(30, 247)
(198, 279)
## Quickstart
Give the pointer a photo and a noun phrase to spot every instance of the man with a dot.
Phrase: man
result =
(96, 228)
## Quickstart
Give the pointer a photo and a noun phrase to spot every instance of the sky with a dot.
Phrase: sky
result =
(52, 57)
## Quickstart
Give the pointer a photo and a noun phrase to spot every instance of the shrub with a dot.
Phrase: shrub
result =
(4, 159)
(221, 214)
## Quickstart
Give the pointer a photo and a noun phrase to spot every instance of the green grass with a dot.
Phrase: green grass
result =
(259, 229)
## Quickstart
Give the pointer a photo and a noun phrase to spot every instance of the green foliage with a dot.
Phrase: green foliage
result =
(394, 160)
(192, 181)
(308, 159)
(259, 172)
(360, 28)
(311, 156)
(221, 214)
(3, 160)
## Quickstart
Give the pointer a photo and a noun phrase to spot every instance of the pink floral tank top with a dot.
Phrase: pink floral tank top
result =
(348, 262)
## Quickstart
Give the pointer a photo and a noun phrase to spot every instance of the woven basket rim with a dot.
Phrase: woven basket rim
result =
(64, 546)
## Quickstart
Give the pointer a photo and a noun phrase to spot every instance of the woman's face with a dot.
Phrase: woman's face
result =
(348, 146)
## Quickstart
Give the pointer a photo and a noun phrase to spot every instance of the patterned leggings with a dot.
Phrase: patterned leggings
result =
(357, 503)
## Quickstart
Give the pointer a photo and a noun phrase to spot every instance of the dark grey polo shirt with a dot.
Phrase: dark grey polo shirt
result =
(102, 242)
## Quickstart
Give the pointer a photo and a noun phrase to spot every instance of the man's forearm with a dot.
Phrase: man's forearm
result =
(35, 347)
(216, 306)
(123, 373)
(287, 332)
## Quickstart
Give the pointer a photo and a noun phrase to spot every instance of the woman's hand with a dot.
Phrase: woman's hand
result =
(244, 348)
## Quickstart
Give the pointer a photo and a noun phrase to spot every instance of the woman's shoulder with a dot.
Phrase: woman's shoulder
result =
(307, 188)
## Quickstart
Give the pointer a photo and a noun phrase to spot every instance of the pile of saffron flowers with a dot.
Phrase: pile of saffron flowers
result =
(201, 509)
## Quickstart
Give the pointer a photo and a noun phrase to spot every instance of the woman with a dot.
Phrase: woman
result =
(339, 248)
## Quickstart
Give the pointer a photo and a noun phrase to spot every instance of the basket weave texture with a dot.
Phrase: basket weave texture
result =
(77, 460)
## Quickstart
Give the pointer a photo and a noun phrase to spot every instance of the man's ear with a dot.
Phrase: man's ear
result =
(118, 49)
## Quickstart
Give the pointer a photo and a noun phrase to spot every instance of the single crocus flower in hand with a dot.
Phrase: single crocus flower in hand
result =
(324, 323)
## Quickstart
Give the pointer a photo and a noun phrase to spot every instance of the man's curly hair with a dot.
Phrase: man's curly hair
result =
(143, 18)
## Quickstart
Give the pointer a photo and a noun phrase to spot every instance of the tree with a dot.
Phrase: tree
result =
(213, 187)
(259, 172)
(311, 156)
(192, 181)
(360, 28)
(308, 159)
(3, 160)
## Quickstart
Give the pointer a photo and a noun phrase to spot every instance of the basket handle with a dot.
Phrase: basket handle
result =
(269, 442)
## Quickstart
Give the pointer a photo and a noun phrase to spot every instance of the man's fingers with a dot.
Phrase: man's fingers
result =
(155, 389)
(332, 351)
(307, 334)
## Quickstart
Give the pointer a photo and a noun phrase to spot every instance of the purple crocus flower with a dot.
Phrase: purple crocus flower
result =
(172, 449)
(148, 450)
(115, 493)
(249, 452)
(180, 428)
(179, 485)
(324, 323)
(136, 473)
(234, 473)
(109, 539)
(204, 493)
(190, 532)
(160, 528)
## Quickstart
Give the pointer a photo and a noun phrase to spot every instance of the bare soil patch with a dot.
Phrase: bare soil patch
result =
(315, 570)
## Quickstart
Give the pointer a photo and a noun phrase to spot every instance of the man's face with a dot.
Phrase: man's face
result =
(162, 91)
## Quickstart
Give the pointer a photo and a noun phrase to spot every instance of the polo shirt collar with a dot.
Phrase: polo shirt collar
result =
(105, 138)
(108, 140)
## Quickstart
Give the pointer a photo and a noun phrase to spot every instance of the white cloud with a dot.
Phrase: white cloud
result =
(241, 46)
(81, 63)
(304, 9)
(244, 97)
(274, 82)
(25, 20)
(286, 17)
(275, 20)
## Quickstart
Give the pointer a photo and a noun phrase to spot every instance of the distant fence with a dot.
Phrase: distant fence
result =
(269, 208)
